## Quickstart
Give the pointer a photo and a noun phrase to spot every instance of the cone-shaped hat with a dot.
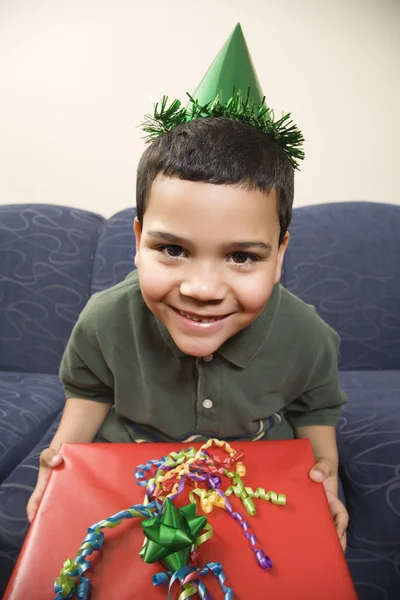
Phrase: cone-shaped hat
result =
(231, 68)
(231, 89)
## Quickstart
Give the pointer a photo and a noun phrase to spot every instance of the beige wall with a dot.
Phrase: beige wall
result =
(76, 76)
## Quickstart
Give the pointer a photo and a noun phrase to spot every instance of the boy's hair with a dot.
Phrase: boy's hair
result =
(221, 151)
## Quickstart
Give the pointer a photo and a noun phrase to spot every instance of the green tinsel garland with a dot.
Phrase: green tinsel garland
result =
(237, 107)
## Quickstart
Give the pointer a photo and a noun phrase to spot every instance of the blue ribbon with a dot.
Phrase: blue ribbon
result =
(214, 567)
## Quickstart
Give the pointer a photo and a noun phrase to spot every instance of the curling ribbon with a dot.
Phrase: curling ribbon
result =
(208, 533)
(140, 470)
(198, 461)
(171, 460)
(65, 584)
(188, 574)
(246, 494)
(263, 560)
(175, 458)
(208, 499)
(240, 468)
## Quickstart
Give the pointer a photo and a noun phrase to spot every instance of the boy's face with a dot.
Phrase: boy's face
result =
(208, 259)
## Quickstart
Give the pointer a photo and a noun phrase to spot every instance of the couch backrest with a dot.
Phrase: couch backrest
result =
(344, 258)
(46, 259)
(115, 251)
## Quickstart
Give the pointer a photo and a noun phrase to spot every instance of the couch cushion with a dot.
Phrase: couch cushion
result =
(14, 495)
(46, 256)
(115, 251)
(28, 404)
(369, 447)
(375, 574)
(344, 258)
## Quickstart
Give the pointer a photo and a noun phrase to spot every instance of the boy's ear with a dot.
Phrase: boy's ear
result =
(281, 256)
(137, 230)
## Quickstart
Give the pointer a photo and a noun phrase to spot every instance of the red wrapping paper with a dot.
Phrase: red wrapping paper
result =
(97, 480)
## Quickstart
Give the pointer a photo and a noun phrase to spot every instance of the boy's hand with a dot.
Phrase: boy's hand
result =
(325, 471)
(48, 460)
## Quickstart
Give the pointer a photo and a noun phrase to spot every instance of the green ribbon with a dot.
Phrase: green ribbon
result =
(246, 494)
(171, 535)
(67, 577)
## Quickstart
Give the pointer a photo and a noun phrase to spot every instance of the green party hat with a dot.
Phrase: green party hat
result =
(231, 70)
(230, 88)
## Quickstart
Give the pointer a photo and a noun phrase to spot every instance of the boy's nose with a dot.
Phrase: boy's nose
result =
(205, 285)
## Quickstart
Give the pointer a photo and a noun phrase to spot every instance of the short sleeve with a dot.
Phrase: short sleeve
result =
(83, 371)
(321, 401)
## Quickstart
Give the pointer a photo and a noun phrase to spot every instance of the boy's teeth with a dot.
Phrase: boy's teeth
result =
(197, 319)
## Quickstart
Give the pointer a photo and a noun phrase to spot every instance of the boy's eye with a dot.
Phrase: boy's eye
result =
(242, 258)
(172, 250)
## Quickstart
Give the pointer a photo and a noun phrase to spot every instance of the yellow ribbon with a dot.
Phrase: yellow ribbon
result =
(208, 499)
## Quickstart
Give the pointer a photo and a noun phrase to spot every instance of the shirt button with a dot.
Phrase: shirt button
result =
(208, 358)
(207, 403)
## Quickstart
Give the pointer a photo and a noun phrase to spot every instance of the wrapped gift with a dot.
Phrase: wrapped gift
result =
(96, 481)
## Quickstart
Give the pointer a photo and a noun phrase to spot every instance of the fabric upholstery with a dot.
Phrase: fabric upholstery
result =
(46, 255)
(369, 445)
(344, 258)
(28, 403)
(369, 449)
(115, 251)
(375, 573)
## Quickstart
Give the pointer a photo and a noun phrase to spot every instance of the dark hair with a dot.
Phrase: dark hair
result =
(222, 151)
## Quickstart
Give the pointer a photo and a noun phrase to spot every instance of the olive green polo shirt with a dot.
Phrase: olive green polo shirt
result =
(273, 376)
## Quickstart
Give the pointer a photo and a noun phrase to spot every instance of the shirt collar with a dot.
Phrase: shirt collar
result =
(166, 336)
(242, 347)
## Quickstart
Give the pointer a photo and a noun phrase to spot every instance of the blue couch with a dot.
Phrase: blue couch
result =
(343, 258)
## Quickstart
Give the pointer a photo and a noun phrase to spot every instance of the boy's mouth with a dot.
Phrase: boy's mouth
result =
(199, 318)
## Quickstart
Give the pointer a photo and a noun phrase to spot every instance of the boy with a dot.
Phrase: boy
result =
(201, 340)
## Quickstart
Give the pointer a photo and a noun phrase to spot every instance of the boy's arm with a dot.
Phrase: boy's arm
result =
(325, 470)
(80, 421)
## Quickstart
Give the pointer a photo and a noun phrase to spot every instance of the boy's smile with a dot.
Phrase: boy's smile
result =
(208, 259)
